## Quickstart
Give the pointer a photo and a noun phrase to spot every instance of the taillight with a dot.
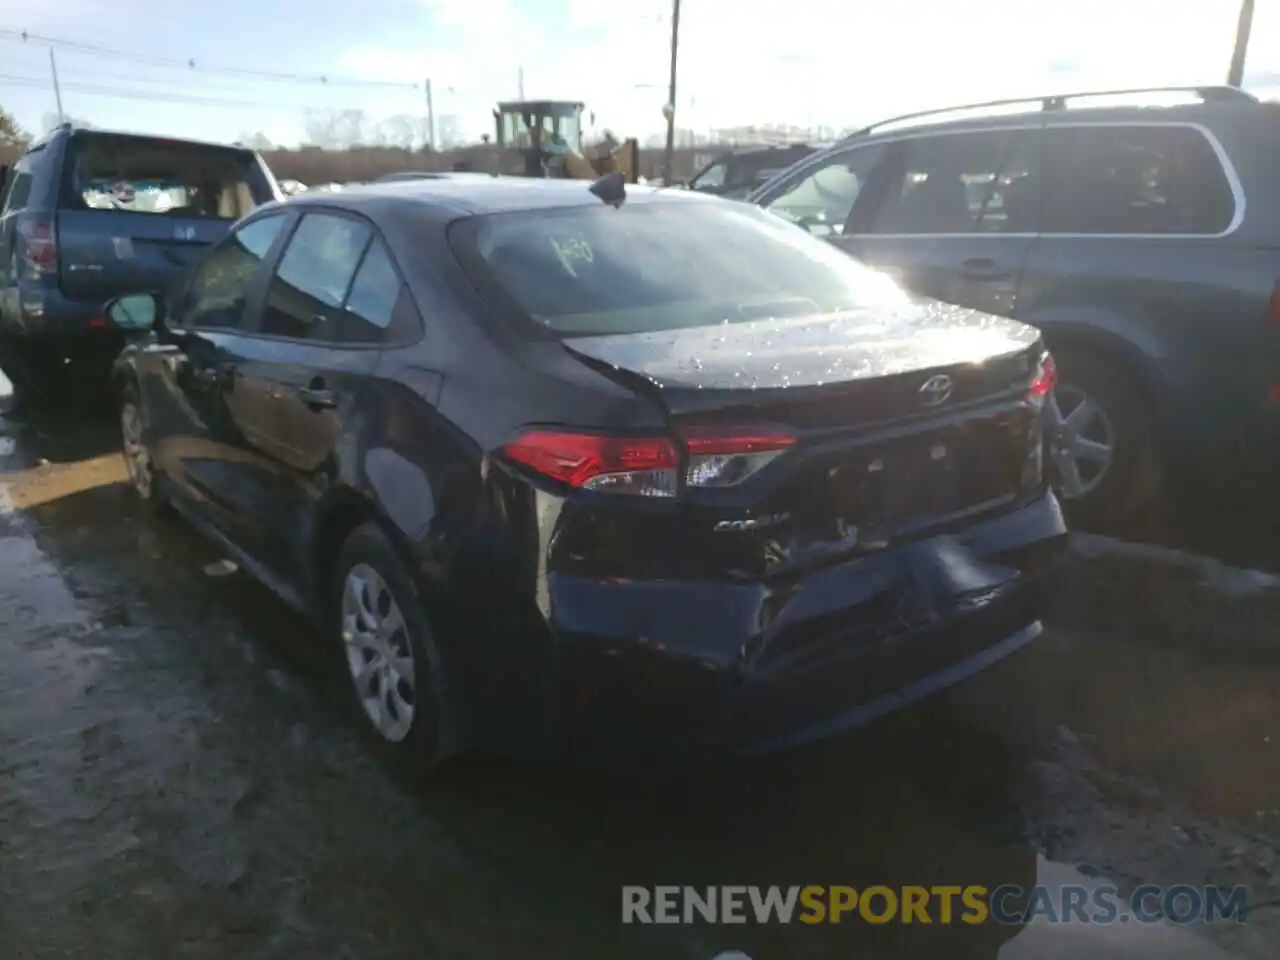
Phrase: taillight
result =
(1273, 306)
(1043, 379)
(639, 465)
(40, 246)
(647, 466)
(721, 458)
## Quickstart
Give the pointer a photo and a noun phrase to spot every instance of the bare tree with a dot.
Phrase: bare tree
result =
(257, 141)
(335, 129)
(11, 135)
(50, 120)
(13, 141)
(399, 131)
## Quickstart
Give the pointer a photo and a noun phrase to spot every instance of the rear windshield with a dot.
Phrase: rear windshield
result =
(597, 270)
(140, 175)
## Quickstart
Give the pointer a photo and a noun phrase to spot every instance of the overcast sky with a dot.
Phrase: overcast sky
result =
(833, 62)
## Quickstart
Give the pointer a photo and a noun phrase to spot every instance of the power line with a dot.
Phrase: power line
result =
(177, 86)
(93, 75)
(97, 50)
(228, 84)
(125, 93)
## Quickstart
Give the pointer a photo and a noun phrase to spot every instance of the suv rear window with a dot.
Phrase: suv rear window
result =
(142, 175)
(594, 270)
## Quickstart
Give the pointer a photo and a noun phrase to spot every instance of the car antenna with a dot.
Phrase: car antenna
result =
(611, 188)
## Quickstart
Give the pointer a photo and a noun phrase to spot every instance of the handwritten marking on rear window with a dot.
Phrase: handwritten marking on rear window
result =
(569, 249)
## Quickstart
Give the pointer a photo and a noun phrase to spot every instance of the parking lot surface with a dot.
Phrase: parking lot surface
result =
(179, 778)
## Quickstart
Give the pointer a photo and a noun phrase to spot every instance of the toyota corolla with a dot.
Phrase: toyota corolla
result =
(580, 467)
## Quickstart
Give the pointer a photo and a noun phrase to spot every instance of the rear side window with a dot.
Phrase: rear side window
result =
(305, 298)
(17, 193)
(378, 308)
(1134, 180)
(168, 178)
(963, 183)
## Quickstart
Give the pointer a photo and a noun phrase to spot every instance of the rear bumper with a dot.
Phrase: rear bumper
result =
(45, 315)
(680, 668)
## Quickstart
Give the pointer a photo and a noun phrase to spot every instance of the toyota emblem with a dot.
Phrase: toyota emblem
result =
(936, 390)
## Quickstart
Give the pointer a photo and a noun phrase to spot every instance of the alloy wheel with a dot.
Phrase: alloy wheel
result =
(137, 457)
(379, 652)
(1082, 441)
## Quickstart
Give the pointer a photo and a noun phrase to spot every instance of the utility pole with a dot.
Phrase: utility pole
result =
(57, 88)
(670, 108)
(431, 117)
(520, 82)
(1235, 77)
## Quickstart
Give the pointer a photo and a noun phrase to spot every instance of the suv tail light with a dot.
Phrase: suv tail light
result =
(648, 466)
(1273, 306)
(1043, 379)
(40, 246)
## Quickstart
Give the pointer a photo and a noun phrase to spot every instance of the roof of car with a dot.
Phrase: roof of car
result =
(466, 196)
(427, 175)
(1179, 113)
(74, 129)
(1126, 106)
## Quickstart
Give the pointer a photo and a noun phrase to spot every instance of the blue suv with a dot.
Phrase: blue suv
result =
(86, 215)
(1139, 229)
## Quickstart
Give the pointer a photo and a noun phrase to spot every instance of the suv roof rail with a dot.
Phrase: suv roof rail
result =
(1058, 101)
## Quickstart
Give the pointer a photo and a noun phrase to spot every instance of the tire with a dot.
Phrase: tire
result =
(369, 571)
(1133, 478)
(144, 477)
(29, 368)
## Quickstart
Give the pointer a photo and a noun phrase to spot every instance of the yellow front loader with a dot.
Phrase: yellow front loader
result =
(543, 138)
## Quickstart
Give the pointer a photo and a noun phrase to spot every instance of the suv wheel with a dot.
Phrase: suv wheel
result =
(397, 675)
(1103, 453)
(137, 453)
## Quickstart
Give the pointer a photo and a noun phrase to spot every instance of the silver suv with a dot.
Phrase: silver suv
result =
(1139, 229)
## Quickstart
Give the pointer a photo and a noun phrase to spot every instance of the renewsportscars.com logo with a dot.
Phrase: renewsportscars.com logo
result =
(937, 904)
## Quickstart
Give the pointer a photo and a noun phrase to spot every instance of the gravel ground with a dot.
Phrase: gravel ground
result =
(177, 779)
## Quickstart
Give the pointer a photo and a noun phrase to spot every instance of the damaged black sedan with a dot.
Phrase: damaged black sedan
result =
(563, 475)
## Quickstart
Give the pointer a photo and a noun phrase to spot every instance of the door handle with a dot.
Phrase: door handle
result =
(983, 268)
(317, 398)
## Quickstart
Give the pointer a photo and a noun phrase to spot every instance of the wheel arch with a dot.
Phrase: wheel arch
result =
(341, 512)
(1115, 340)
(338, 513)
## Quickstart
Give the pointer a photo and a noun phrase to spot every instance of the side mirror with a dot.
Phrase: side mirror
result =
(136, 311)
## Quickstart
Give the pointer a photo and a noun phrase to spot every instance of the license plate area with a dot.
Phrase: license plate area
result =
(893, 487)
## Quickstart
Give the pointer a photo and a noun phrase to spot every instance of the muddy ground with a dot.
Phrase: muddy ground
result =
(179, 779)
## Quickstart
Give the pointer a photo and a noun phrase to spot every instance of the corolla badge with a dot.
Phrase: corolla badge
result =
(936, 390)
